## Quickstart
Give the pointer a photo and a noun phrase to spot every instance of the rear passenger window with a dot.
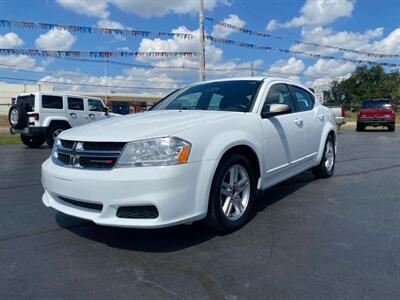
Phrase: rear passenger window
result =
(53, 102)
(304, 100)
(75, 103)
(95, 105)
(278, 94)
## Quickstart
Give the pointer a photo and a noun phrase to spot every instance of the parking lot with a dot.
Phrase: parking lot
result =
(335, 238)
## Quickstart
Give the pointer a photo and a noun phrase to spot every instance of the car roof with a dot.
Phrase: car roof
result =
(58, 94)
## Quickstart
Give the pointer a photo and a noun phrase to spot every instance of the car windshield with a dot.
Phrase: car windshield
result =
(376, 104)
(27, 102)
(235, 95)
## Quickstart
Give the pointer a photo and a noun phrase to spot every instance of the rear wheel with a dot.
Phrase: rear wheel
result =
(32, 141)
(53, 133)
(232, 194)
(327, 165)
(360, 127)
(391, 127)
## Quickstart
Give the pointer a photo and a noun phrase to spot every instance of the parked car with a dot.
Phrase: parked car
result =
(340, 115)
(41, 117)
(201, 153)
(376, 113)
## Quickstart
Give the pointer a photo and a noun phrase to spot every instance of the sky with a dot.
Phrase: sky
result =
(365, 25)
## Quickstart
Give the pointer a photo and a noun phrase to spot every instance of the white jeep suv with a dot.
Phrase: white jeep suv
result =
(201, 153)
(40, 117)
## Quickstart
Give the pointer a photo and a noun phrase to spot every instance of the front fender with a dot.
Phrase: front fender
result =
(328, 127)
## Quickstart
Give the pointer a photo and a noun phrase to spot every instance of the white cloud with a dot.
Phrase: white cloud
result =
(10, 40)
(143, 8)
(343, 39)
(19, 62)
(328, 70)
(55, 40)
(213, 54)
(283, 67)
(318, 12)
(223, 32)
(133, 80)
(106, 23)
(389, 44)
(91, 8)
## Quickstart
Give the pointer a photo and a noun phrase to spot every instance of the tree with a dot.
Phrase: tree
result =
(367, 83)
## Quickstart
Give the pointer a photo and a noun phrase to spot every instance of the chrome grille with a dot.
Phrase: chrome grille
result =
(87, 155)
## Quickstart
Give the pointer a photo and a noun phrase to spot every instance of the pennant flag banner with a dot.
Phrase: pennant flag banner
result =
(93, 54)
(99, 30)
(297, 53)
(266, 35)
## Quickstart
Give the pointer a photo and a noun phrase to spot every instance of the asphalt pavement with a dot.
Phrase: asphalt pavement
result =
(336, 238)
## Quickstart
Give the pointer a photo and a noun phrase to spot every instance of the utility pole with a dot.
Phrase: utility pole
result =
(202, 75)
(105, 81)
(252, 69)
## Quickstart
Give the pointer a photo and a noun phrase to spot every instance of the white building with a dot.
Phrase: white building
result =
(8, 91)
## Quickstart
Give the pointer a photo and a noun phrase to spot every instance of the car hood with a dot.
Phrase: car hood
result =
(140, 126)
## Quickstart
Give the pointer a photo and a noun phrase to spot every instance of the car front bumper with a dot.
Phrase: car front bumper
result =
(180, 193)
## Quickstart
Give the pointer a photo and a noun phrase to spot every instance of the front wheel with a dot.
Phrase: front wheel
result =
(32, 141)
(232, 195)
(391, 127)
(327, 165)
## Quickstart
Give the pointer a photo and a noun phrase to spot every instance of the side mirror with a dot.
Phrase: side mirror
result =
(275, 110)
(105, 110)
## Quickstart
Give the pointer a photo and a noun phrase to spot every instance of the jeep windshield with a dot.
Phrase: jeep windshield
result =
(27, 102)
(235, 95)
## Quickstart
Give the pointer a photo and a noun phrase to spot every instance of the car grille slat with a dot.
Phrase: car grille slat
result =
(88, 155)
(137, 212)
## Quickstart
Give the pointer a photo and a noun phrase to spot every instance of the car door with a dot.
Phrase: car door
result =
(313, 121)
(76, 111)
(283, 135)
(95, 110)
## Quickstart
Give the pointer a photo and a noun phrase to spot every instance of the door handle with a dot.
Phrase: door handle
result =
(91, 116)
(73, 115)
(298, 122)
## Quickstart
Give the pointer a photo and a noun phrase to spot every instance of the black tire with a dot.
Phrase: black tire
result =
(32, 141)
(216, 219)
(391, 127)
(360, 127)
(322, 170)
(51, 133)
(20, 113)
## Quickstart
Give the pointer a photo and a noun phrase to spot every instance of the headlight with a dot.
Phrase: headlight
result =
(155, 152)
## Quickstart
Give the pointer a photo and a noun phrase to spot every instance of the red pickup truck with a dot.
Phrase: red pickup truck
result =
(376, 113)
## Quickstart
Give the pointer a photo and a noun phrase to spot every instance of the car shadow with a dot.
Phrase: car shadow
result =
(172, 238)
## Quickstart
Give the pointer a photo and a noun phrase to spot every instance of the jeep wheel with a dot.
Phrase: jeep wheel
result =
(53, 133)
(391, 127)
(17, 117)
(360, 127)
(32, 141)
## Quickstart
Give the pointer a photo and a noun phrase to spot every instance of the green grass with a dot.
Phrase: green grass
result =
(8, 138)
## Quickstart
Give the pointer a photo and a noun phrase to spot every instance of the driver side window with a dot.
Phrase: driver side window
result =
(278, 94)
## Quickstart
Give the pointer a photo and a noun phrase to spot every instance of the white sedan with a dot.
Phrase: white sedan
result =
(203, 152)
